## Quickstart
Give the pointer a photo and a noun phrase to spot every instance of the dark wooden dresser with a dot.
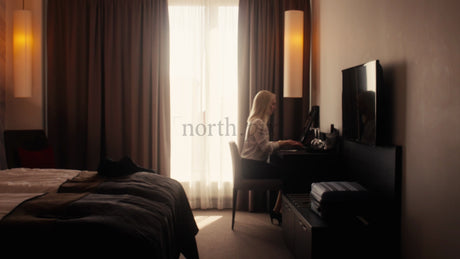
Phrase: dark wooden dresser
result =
(375, 234)
(310, 237)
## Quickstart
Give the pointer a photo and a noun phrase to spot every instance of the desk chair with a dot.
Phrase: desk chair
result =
(28, 148)
(240, 183)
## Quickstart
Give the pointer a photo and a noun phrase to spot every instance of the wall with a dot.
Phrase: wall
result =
(25, 113)
(417, 43)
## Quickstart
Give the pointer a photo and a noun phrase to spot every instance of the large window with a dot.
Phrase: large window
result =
(203, 75)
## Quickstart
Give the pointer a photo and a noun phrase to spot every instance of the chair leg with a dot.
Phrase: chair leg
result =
(235, 196)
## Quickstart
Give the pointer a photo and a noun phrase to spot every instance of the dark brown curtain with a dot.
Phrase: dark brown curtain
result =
(108, 82)
(260, 60)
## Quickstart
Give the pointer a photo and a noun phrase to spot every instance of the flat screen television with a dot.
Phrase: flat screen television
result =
(364, 104)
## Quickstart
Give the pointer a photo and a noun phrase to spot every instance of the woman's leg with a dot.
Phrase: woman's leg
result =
(277, 207)
(260, 170)
(276, 212)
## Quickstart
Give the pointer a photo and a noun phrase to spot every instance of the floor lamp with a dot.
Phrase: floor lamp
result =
(293, 73)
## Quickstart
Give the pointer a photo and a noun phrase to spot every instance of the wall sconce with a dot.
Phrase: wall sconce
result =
(22, 53)
(293, 54)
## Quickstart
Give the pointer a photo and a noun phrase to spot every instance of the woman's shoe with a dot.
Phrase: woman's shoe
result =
(277, 216)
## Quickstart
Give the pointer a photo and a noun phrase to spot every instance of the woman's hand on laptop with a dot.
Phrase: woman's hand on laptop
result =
(288, 144)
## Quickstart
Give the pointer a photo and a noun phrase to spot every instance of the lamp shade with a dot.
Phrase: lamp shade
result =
(22, 53)
(293, 54)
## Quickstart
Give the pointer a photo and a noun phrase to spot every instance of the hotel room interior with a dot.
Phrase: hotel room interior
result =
(103, 83)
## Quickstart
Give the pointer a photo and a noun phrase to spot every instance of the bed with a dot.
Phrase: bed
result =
(62, 213)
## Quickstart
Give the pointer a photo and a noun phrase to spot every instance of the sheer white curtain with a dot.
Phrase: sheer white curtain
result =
(203, 75)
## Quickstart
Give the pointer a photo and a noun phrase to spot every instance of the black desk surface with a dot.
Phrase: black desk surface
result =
(303, 152)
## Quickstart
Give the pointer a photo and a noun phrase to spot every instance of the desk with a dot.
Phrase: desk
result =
(301, 168)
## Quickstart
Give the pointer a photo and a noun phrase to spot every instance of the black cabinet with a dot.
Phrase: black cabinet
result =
(309, 237)
(299, 233)
(373, 235)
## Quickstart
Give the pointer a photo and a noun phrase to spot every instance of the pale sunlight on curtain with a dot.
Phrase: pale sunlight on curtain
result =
(203, 75)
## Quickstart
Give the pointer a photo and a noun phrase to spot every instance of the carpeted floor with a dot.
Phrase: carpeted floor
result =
(253, 237)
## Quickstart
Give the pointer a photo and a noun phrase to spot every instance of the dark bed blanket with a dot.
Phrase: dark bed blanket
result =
(142, 214)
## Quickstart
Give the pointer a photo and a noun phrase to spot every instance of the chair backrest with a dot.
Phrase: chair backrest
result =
(31, 140)
(236, 160)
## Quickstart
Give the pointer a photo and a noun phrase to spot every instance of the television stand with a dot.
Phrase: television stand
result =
(308, 236)
(378, 235)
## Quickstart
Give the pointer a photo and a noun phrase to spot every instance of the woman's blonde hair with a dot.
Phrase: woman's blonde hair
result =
(261, 106)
